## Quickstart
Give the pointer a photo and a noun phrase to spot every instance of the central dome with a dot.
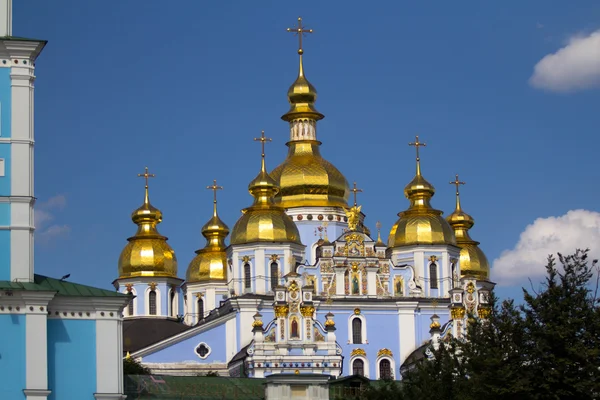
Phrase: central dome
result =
(306, 179)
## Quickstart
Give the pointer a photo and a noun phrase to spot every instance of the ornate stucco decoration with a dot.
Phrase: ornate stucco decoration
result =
(384, 352)
(358, 352)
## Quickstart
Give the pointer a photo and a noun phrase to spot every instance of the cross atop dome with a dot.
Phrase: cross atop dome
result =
(299, 31)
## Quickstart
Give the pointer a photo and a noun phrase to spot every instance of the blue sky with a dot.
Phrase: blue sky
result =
(184, 86)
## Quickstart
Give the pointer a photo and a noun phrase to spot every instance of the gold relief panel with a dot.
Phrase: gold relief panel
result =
(358, 352)
(484, 312)
(384, 352)
(457, 312)
(282, 311)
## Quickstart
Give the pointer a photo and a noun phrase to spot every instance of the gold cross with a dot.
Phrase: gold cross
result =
(417, 144)
(456, 183)
(354, 191)
(300, 31)
(214, 188)
(146, 175)
(262, 139)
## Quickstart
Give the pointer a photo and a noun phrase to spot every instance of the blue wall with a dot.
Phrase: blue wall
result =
(5, 180)
(4, 255)
(71, 359)
(12, 356)
(5, 102)
(185, 350)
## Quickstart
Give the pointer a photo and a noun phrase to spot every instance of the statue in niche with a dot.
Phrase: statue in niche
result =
(295, 329)
(355, 284)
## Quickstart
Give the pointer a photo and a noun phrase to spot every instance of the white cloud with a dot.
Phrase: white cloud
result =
(45, 214)
(573, 67)
(577, 229)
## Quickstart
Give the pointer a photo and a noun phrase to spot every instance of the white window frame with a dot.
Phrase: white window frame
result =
(158, 301)
(363, 329)
(392, 366)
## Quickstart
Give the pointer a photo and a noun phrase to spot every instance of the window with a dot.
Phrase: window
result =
(358, 367)
(433, 279)
(385, 369)
(274, 275)
(172, 302)
(200, 308)
(130, 305)
(203, 350)
(356, 331)
(152, 302)
(247, 277)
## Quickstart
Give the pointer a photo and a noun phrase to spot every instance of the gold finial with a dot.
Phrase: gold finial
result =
(457, 183)
(378, 226)
(214, 188)
(128, 356)
(299, 31)
(418, 144)
(354, 191)
(262, 139)
(146, 175)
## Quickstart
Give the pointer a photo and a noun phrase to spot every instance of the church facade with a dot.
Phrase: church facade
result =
(303, 286)
(60, 340)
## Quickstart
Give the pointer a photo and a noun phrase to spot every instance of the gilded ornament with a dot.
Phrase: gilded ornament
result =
(457, 312)
(307, 311)
(282, 311)
(129, 287)
(384, 352)
(353, 214)
(293, 287)
(484, 312)
(433, 258)
(357, 311)
(358, 352)
(152, 285)
(329, 322)
(435, 325)
(470, 288)
(246, 259)
(257, 324)
(274, 257)
(199, 295)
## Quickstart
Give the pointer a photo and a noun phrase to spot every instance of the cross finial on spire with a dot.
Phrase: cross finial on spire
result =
(146, 175)
(299, 31)
(418, 144)
(457, 183)
(214, 187)
(354, 190)
(262, 139)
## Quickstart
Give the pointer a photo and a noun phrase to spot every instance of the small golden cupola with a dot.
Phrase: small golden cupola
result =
(305, 178)
(473, 261)
(147, 253)
(264, 221)
(420, 224)
(210, 263)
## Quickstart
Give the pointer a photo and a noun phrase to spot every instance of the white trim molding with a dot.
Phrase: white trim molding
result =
(363, 337)
(392, 366)
(208, 348)
(365, 361)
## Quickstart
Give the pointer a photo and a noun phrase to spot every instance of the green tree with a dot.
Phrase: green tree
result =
(547, 348)
(133, 367)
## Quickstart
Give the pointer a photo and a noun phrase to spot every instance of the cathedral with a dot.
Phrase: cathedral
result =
(279, 299)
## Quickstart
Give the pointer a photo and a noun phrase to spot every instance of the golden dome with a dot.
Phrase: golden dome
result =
(421, 223)
(210, 263)
(473, 261)
(147, 253)
(264, 221)
(307, 179)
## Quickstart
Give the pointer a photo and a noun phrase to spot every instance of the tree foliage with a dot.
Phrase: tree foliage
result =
(133, 367)
(546, 348)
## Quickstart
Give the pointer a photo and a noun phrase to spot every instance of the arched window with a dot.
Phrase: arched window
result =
(274, 275)
(385, 369)
(200, 308)
(358, 367)
(130, 305)
(247, 277)
(152, 302)
(172, 305)
(433, 278)
(356, 331)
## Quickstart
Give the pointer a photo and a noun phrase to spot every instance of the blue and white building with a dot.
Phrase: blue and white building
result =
(60, 340)
(303, 287)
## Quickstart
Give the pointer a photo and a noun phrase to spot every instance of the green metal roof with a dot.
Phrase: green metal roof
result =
(193, 387)
(22, 39)
(63, 288)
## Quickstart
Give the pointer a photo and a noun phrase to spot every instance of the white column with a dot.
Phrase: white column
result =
(259, 271)
(231, 339)
(5, 18)
(109, 359)
(339, 281)
(371, 281)
(36, 355)
(406, 323)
